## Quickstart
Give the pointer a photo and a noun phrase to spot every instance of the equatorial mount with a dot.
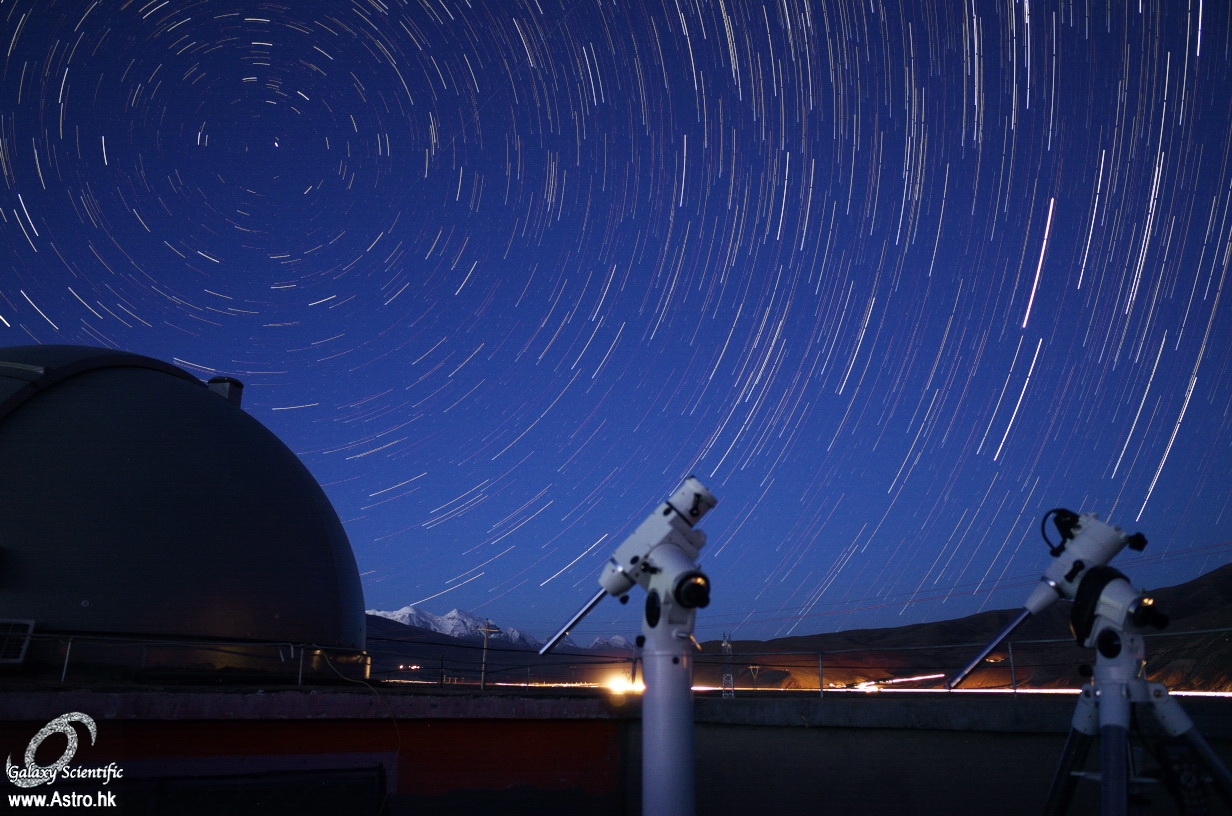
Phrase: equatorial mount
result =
(1110, 616)
(1086, 546)
(660, 556)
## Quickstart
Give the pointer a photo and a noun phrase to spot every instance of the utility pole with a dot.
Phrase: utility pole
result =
(729, 679)
(483, 672)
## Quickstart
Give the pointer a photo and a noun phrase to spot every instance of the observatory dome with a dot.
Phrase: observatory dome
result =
(138, 502)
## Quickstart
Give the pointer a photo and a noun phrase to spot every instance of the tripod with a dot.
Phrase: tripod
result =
(1107, 615)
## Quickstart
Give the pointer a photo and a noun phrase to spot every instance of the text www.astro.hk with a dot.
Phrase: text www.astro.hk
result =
(63, 799)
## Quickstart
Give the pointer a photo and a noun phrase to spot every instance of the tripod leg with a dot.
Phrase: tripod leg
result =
(1114, 719)
(1073, 757)
(1176, 722)
(1219, 771)
(1114, 770)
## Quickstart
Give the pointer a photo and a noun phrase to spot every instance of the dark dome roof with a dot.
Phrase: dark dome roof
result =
(136, 501)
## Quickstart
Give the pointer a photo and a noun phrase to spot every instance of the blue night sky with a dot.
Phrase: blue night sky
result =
(892, 279)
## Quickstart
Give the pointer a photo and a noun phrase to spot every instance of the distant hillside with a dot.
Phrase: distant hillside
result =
(1187, 655)
(1182, 656)
(415, 653)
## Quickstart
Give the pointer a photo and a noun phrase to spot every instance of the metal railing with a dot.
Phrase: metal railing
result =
(1198, 660)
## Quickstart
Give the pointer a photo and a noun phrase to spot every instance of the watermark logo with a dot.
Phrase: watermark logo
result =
(34, 774)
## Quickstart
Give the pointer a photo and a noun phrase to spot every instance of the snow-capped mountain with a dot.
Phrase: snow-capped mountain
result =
(457, 623)
(617, 642)
(460, 624)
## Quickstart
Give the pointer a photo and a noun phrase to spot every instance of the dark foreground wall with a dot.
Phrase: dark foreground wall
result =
(342, 752)
(760, 769)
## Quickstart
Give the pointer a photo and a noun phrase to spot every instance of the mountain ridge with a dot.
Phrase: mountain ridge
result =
(456, 623)
(1194, 652)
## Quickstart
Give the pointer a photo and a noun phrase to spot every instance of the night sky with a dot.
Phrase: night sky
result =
(892, 279)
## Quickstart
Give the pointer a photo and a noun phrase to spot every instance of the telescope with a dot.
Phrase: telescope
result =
(1086, 544)
(661, 557)
(1111, 617)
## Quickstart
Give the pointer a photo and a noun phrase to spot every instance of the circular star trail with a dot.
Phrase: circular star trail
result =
(891, 279)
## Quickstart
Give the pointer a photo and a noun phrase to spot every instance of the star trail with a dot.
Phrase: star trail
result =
(892, 279)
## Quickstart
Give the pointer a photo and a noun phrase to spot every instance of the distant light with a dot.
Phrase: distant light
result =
(1007, 691)
(875, 685)
(619, 684)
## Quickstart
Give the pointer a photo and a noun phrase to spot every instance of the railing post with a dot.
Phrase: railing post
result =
(67, 652)
(1013, 673)
(821, 685)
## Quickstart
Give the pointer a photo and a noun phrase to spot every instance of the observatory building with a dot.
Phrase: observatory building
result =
(149, 525)
(172, 575)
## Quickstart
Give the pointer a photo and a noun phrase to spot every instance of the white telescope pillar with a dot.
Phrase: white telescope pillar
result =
(677, 588)
(667, 726)
(661, 557)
